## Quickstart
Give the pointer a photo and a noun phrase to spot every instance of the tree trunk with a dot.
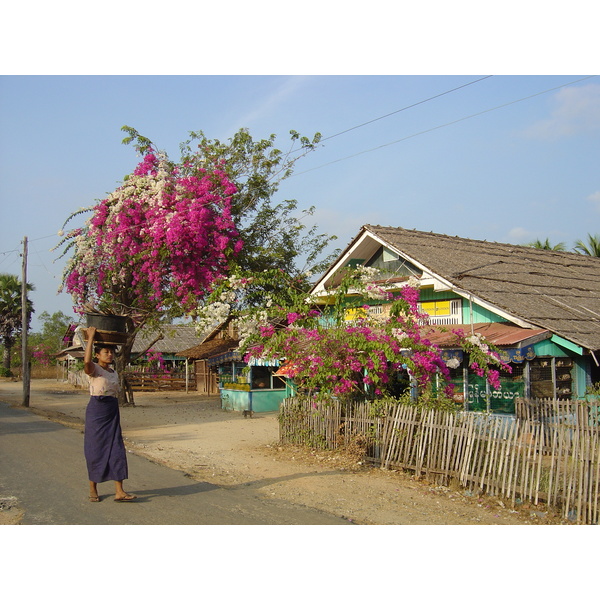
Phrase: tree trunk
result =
(121, 361)
(8, 344)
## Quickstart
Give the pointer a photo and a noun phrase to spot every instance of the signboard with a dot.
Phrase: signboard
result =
(500, 401)
(517, 355)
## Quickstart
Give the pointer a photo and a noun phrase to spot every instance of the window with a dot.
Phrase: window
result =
(392, 265)
(443, 312)
(551, 377)
(263, 379)
(377, 311)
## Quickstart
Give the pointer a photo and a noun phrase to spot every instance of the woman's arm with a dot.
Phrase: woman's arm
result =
(88, 365)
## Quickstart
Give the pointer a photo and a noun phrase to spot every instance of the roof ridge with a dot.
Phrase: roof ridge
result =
(521, 247)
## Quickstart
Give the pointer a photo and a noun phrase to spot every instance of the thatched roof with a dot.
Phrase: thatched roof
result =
(210, 348)
(175, 338)
(557, 291)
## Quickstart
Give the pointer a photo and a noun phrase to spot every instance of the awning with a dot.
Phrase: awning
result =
(263, 362)
(515, 344)
(498, 334)
(287, 370)
(514, 355)
(226, 357)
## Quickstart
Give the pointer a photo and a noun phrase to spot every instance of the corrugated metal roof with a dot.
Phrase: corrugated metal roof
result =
(498, 334)
(70, 354)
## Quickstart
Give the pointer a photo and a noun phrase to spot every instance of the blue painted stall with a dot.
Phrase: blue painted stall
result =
(250, 386)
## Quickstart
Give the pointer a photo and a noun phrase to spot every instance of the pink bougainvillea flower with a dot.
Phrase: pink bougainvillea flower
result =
(159, 240)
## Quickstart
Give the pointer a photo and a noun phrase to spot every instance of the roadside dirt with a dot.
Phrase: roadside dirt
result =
(192, 434)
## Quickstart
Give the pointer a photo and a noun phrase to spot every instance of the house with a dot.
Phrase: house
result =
(220, 369)
(214, 358)
(541, 308)
(164, 343)
(69, 358)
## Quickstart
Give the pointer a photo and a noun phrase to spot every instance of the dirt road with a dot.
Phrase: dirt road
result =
(194, 435)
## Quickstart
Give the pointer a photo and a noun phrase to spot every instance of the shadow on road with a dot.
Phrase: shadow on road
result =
(17, 425)
(180, 490)
(259, 483)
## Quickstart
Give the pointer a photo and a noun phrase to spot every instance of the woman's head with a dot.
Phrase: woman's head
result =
(104, 353)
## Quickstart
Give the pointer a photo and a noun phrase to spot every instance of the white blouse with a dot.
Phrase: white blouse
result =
(103, 382)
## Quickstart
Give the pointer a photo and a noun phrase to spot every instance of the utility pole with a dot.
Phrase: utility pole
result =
(24, 321)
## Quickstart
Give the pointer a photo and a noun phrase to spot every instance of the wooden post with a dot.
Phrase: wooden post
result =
(24, 354)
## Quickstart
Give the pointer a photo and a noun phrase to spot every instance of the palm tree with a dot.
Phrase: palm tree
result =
(11, 314)
(546, 245)
(591, 248)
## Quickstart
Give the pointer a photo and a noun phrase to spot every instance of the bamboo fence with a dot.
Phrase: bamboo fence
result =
(156, 381)
(549, 452)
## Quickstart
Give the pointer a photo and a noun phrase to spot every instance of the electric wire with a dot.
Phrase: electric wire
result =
(460, 87)
(478, 114)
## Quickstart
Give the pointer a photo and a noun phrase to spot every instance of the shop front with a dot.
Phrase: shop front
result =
(252, 386)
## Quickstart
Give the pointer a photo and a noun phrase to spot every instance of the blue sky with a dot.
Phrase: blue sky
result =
(509, 158)
(505, 158)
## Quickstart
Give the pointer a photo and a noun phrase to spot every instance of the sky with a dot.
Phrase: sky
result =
(483, 153)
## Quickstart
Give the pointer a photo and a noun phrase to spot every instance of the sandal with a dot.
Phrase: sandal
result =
(127, 498)
(94, 498)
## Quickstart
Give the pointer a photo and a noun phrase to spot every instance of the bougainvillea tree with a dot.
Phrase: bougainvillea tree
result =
(156, 243)
(154, 246)
(340, 348)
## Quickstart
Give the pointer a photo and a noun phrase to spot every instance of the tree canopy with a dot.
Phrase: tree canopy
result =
(49, 341)
(274, 234)
(591, 247)
(546, 245)
(11, 314)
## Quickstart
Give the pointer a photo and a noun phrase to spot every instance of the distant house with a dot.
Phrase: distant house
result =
(69, 357)
(218, 348)
(540, 307)
(172, 339)
(166, 343)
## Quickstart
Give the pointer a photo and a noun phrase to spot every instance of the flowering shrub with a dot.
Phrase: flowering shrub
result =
(155, 359)
(156, 242)
(484, 360)
(340, 349)
(41, 355)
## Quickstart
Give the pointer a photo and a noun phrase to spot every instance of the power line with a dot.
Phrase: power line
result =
(443, 125)
(16, 253)
(406, 108)
(29, 241)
